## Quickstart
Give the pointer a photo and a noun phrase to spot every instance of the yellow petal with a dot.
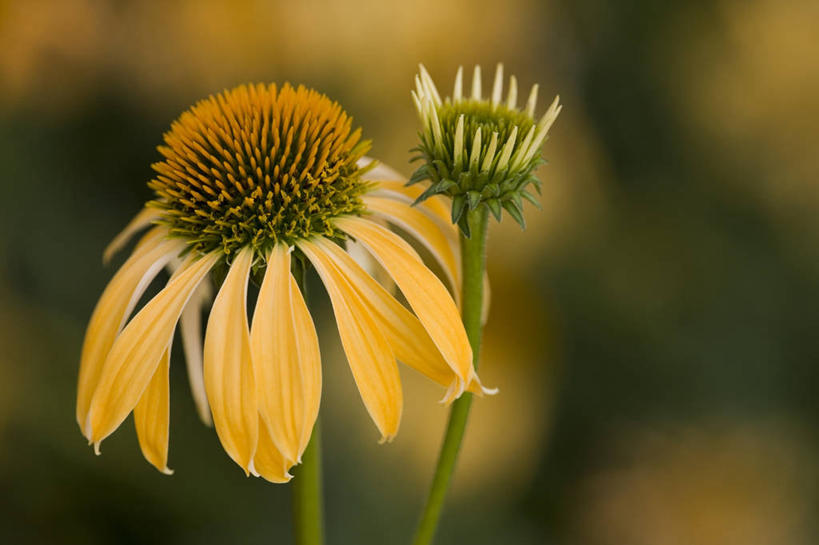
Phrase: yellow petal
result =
(268, 461)
(190, 329)
(135, 355)
(436, 206)
(143, 219)
(409, 340)
(369, 354)
(426, 295)
(285, 378)
(310, 359)
(380, 171)
(152, 417)
(229, 380)
(426, 230)
(114, 307)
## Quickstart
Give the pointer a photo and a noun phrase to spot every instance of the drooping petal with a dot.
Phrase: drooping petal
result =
(379, 172)
(114, 307)
(364, 258)
(391, 183)
(436, 206)
(152, 417)
(143, 219)
(229, 380)
(285, 378)
(135, 355)
(369, 354)
(426, 230)
(307, 341)
(190, 329)
(268, 461)
(409, 340)
(425, 293)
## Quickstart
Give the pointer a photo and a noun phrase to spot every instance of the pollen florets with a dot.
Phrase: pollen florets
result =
(479, 151)
(257, 165)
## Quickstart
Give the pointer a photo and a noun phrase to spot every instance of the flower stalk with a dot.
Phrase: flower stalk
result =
(482, 153)
(473, 254)
(308, 505)
(308, 502)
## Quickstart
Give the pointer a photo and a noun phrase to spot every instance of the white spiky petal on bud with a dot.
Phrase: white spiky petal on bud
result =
(490, 152)
(476, 83)
(458, 146)
(512, 97)
(476, 149)
(506, 153)
(532, 102)
(497, 87)
(457, 92)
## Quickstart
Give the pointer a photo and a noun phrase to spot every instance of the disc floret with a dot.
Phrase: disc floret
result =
(478, 151)
(257, 165)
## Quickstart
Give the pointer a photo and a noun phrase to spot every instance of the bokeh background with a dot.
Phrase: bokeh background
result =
(653, 331)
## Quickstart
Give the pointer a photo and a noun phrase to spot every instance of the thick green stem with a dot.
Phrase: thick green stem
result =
(308, 521)
(473, 264)
(308, 506)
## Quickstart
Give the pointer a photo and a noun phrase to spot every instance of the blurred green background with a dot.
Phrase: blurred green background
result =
(653, 331)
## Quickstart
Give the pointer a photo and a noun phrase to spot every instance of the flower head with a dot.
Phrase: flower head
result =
(479, 150)
(256, 183)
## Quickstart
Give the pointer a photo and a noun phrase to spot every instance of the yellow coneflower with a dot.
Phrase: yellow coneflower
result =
(255, 183)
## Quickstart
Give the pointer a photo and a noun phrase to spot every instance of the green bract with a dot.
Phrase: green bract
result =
(479, 151)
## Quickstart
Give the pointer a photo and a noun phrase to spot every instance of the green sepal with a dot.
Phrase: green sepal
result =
(536, 182)
(465, 181)
(491, 190)
(495, 207)
(458, 207)
(463, 223)
(441, 168)
(531, 198)
(473, 199)
(421, 174)
(515, 211)
(434, 189)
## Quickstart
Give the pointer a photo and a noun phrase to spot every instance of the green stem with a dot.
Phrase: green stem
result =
(308, 508)
(473, 264)
(308, 523)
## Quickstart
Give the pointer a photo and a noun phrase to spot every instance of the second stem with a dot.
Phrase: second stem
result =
(473, 266)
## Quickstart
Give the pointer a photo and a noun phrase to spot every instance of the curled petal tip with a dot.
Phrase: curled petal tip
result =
(484, 391)
(166, 471)
(97, 448)
(455, 390)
